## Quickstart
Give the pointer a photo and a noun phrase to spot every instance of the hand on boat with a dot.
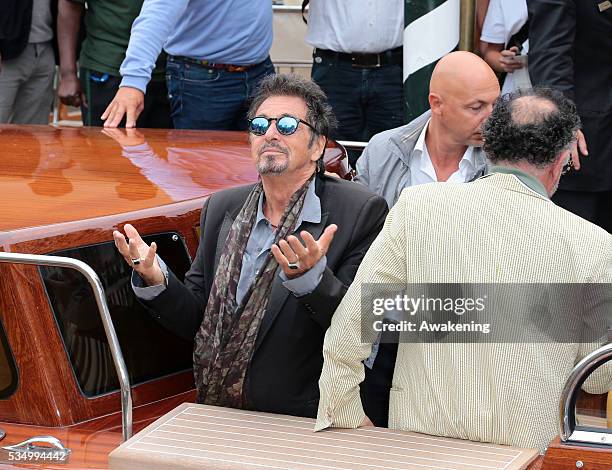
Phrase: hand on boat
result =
(127, 102)
(139, 255)
(125, 137)
(295, 259)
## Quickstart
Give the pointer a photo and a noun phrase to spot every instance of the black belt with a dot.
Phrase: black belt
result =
(211, 65)
(390, 57)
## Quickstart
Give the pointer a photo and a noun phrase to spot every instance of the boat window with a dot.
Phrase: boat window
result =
(8, 370)
(593, 412)
(150, 351)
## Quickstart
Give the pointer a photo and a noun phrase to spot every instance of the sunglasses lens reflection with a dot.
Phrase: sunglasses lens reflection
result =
(287, 125)
(259, 126)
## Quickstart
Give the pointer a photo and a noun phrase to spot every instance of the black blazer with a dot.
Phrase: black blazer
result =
(284, 372)
(15, 21)
(15, 24)
(570, 48)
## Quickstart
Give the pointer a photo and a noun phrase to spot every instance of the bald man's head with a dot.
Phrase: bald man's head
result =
(458, 71)
(462, 91)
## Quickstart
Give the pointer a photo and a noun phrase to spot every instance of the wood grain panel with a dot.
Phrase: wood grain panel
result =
(52, 175)
(91, 442)
(48, 393)
(212, 438)
(564, 457)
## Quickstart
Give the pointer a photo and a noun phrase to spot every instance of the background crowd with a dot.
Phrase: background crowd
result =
(159, 64)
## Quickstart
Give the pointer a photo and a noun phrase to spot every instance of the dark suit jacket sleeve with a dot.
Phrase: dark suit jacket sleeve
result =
(552, 29)
(323, 301)
(180, 307)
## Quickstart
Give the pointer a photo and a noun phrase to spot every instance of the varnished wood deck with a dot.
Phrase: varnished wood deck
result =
(208, 437)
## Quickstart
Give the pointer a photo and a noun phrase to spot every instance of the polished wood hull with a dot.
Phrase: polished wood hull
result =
(71, 187)
(66, 188)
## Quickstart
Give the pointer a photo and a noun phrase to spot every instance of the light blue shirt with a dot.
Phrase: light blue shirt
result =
(235, 32)
(257, 249)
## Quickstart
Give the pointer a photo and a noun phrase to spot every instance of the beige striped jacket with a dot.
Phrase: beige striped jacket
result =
(493, 230)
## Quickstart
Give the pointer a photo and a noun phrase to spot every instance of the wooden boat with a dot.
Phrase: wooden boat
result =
(64, 191)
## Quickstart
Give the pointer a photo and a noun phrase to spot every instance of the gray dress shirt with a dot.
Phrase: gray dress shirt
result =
(256, 252)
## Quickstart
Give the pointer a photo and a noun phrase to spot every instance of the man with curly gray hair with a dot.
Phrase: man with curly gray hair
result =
(500, 229)
(532, 132)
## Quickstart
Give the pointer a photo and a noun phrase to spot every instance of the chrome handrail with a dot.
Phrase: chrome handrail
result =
(111, 335)
(288, 8)
(567, 411)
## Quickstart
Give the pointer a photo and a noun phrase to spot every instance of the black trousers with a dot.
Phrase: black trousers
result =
(595, 207)
(100, 89)
(376, 387)
(365, 101)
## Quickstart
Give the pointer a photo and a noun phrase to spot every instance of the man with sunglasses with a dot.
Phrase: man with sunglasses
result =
(275, 259)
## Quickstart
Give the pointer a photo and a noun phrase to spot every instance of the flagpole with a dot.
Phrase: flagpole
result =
(431, 31)
(467, 21)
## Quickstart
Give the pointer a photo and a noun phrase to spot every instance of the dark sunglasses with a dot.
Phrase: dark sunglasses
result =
(286, 125)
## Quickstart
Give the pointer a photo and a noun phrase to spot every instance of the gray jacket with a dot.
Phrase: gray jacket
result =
(384, 165)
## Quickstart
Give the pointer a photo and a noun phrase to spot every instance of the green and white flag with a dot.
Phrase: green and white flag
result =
(431, 31)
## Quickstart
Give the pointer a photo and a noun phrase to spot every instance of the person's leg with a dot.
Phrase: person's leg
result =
(13, 75)
(156, 112)
(100, 89)
(203, 98)
(376, 386)
(35, 98)
(384, 100)
(343, 85)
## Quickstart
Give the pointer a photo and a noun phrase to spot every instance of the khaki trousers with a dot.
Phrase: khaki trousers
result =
(26, 86)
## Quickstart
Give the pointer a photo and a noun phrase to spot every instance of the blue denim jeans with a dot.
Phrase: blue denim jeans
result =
(366, 101)
(205, 98)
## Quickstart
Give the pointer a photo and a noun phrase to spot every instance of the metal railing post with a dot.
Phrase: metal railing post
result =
(109, 329)
(567, 412)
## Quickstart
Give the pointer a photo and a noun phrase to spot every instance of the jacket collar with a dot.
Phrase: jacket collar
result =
(528, 180)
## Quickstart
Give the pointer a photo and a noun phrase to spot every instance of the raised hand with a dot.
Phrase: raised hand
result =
(295, 258)
(139, 255)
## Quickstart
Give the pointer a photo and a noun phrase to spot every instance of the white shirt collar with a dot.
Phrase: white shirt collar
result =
(422, 169)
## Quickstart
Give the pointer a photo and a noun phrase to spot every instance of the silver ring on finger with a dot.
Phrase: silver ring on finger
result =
(136, 261)
(294, 265)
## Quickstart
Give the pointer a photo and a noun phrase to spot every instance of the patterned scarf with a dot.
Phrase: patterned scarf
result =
(225, 342)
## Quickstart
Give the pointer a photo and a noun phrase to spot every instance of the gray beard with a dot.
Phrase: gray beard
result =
(268, 165)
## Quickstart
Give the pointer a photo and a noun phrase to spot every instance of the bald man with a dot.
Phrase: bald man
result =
(443, 144)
